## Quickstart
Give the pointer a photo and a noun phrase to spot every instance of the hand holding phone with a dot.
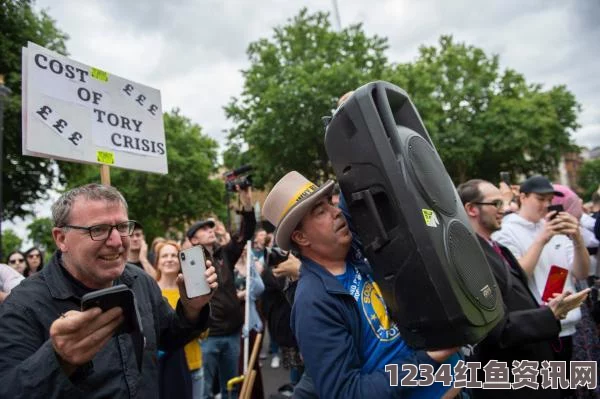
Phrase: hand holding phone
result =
(78, 336)
(193, 266)
(558, 208)
(116, 296)
(505, 177)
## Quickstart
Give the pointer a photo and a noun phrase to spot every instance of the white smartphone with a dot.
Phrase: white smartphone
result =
(193, 266)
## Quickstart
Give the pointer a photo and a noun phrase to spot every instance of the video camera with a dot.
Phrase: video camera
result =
(238, 177)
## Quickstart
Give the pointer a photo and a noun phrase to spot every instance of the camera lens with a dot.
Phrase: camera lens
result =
(182, 256)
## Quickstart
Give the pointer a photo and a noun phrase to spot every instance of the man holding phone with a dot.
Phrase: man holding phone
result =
(221, 349)
(50, 348)
(539, 239)
(527, 330)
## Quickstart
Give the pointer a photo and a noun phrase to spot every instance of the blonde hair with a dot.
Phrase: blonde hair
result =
(159, 248)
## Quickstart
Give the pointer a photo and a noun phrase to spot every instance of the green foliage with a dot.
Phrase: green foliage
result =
(294, 79)
(10, 242)
(483, 121)
(40, 232)
(589, 177)
(165, 204)
(25, 180)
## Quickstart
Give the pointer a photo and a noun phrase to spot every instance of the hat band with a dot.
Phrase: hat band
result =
(303, 192)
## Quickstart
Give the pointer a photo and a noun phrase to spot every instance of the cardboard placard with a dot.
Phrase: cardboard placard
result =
(75, 112)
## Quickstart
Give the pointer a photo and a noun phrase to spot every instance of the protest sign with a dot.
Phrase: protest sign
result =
(76, 112)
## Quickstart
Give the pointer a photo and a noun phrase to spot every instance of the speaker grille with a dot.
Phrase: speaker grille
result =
(431, 175)
(470, 263)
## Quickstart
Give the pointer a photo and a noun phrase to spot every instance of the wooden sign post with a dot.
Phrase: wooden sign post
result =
(105, 175)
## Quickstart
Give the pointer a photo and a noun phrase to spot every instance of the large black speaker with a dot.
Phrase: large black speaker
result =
(425, 257)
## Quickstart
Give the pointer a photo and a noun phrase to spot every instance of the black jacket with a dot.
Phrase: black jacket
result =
(275, 306)
(525, 333)
(29, 366)
(227, 316)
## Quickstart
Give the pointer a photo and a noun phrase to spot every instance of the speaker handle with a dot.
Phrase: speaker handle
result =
(382, 238)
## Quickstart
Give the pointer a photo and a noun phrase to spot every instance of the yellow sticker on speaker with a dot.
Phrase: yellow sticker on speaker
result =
(430, 217)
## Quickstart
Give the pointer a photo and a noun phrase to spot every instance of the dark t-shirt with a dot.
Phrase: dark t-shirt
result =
(78, 288)
(138, 264)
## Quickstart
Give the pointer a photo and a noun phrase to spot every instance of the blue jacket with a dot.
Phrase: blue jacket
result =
(326, 322)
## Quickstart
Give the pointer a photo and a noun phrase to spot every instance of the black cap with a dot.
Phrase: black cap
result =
(539, 185)
(198, 225)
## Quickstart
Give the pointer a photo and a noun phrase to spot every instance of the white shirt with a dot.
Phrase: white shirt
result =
(518, 234)
(9, 278)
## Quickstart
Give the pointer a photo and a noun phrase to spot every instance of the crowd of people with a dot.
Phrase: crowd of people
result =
(308, 284)
(305, 282)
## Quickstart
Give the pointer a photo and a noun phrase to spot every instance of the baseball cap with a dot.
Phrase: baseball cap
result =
(539, 185)
(198, 225)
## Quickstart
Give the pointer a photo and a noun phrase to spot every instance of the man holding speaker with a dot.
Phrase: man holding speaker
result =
(339, 317)
(527, 330)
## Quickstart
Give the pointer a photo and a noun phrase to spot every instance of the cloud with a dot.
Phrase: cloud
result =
(194, 51)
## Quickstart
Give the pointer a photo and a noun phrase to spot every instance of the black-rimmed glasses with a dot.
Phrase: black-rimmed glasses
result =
(101, 232)
(497, 203)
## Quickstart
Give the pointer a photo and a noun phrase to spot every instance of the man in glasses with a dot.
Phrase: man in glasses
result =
(52, 349)
(528, 330)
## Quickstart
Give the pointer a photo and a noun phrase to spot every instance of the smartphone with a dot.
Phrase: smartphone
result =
(193, 266)
(558, 208)
(108, 298)
(555, 282)
(505, 177)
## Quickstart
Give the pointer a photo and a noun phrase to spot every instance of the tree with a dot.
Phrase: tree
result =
(25, 180)
(294, 79)
(166, 204)
(589, 177)
(40, 232)
(10, 242)
(483, 121)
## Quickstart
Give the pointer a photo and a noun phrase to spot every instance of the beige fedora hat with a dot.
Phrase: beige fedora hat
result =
(287, 203)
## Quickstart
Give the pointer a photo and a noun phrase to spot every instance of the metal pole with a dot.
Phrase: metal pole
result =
(336, 12)
(228, 215)
(4, 92)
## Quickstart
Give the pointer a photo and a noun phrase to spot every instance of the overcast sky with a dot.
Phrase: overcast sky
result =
(193, 50)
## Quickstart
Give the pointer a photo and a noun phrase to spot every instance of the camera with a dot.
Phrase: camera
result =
(238, 177)
(277, 255)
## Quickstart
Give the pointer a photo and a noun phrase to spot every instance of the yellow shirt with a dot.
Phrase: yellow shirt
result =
(192, 349)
